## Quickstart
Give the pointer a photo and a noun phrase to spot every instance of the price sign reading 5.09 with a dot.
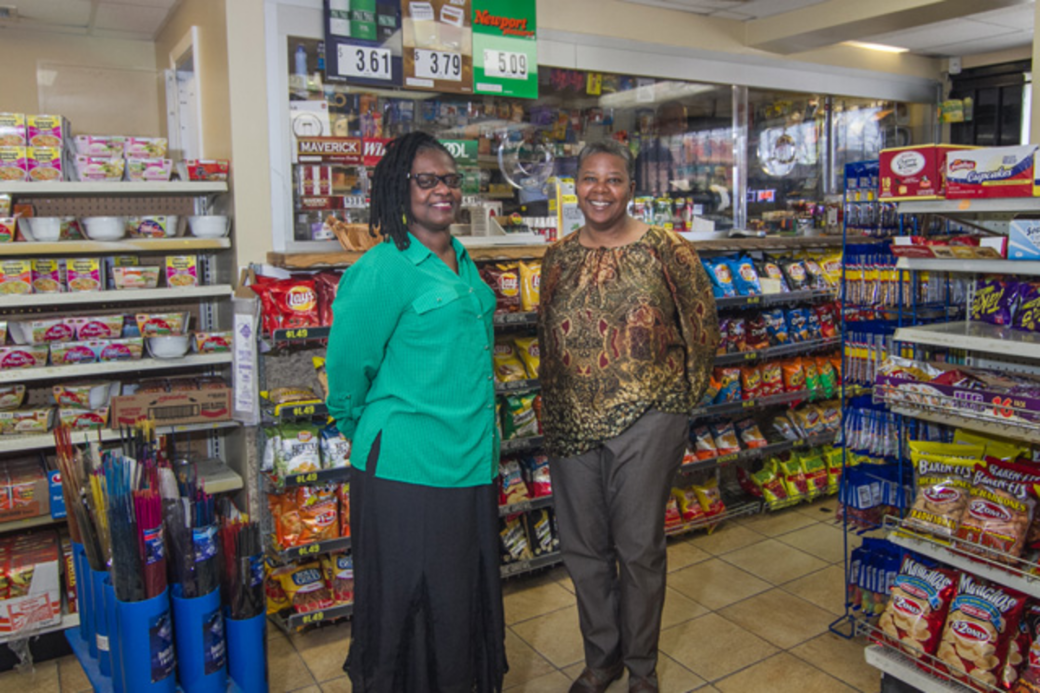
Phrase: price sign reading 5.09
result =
(505, 65)
(438, 65)
(366, 62)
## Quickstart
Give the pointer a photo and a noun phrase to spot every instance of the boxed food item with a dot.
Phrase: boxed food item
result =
(12, 130)
(213, 342)
(148, 169)
(30, 356)
(182, 270)
(136, 277)
(14, 166)
(99, 169)
(1024, 239)
(45, 164)
(27, 421)
(168, 408)
(144, 147)
(126, 349)
(48, 276)
(207, 169)
(914, 173)
(83, 419)
(97, 326)
(101, 146)
(15, 277)
(8, 229)
(992, 172)
(47, 131)
(34, 588)
(84, 274)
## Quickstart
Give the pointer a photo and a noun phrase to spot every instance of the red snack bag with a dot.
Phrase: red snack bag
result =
(326, 284)
(344, 510)
(1018, 648)
(982, 621)
(828, 320)
(504, 280)
(710, 498)
(997, 517)
(705, 444)
(751, 382)
(1029, 674)
(672, 516)
(757, 333)
(737, 341)
(772, 379)
(794, 375)
(917, 606)
(296, 303)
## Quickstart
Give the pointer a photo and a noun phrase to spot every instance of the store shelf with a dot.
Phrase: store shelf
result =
(67, 621)
(531, 565)
(300, 335)
(294, 622)
(46, 441)
(732, 512)
(1017, 267)
(515, 319)
(217, 477)
(775, 299)
(777, 351)
(908, 671)
(517, 386)
(117, 189)
(78, 298)
(521, 507)
(755, 453)
(751, 404)
(114, 368)
(311, 550)
(297, 411)
(343, 258)
(974, 336)
(28, 523)
(129, 245)
(1009, 205)
(322, 476)
(1024, 431)
(522, 444)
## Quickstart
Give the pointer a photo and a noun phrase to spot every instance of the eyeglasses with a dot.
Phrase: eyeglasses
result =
(426, 181)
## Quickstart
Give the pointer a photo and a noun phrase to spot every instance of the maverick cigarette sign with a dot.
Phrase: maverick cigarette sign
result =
(505, 48)
(369, 151)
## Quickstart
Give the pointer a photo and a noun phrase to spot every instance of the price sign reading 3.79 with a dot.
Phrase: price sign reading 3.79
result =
(363, 61)
(438, 65)
(504, 64)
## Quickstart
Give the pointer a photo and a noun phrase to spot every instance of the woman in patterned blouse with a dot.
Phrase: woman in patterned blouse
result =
(628, 331)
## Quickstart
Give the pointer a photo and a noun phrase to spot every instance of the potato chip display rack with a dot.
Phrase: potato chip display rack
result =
(999, 347)
(210, 301)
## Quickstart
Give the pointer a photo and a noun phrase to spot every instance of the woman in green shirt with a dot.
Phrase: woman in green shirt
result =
(410, 380)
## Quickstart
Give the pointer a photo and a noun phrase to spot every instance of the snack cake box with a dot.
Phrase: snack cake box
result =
(914, 173)
(992, 172)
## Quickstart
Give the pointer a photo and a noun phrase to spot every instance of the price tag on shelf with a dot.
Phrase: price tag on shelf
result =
(365, 62)
(316, 617)
(303, 479)
(438, 65)
(505, 64)
(302, 411)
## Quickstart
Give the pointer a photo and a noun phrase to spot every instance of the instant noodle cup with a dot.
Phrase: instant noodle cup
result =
(213, 342)
(94, 395)
(15, 277)
(49, 330)
(145, 147)
(26, 421)
(98, 326)
(127, 349)
(182, 270)
(48, 276)
(12, 130)
(83, 420)
(28, 356)
(162, 324)
(45, 164)
(84, 274)
(14, 164)
(148, 170)
(69, 353)
(161, 226)
(135, 277)
(11, 396)
(46, 130)
(103, 146)
(98, 169)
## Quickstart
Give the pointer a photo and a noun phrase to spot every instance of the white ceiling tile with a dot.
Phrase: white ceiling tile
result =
(1016, 17)
(939, 33)
(133, 18)
(60, 12)
(770, 8)
(726, 14)
(982, 45)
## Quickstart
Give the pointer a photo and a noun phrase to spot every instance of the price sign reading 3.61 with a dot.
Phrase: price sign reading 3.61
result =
(504, 64)
(438, 65)
(362, 61)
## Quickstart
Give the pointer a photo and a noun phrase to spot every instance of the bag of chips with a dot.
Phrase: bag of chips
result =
(326, 284)
(917, 606)
(772, 379)
(745, 276)
(287, 304)
(344, 509)
(300, 449)
(815, 469)
(704, 447)
(721, 277)
(725, 438)
(815, 274)
(809, 419)
(540, 534)
(504, 280)
(828, 378)
(536, 474)
(794, 479)
(672, 515)
(530, 285)
(710, 498)
(335, 448)
(994, 301)
(1018, 647)
(508, 366)
(511, 483)
(812, 323)
(1029, 674)
(794, 375)
(749, 434)
(757, 333)
(515, 545)
(518, 416)
(527, 348)
(939, 505)
(812, 377)
(770, 485)
(729, 384)
(982, 620)
(798, 324)
(827, 320)
(998, 519)
(776, 324)
(785, 427)
(794, 271)
(273, 592)
(723, 346)
(339, 575)
(770, 269)
(750, 381)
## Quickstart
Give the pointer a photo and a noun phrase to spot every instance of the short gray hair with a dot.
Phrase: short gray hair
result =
(612, 147)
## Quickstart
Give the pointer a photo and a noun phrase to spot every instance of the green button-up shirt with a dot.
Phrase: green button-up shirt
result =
(410, 356)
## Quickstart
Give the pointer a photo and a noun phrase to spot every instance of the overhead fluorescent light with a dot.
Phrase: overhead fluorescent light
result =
(877, 47)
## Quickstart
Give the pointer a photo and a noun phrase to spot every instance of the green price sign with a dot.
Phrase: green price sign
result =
(505, 48)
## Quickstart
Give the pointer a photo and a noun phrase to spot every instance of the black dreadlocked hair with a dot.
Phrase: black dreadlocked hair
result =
(391, 197)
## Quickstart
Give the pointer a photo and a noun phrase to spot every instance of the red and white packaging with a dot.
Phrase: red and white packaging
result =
(914, 173)
(992, 172)
(917, 606)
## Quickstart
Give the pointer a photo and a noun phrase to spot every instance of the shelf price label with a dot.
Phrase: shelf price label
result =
(316, 617)
(438, 65)
(366, 62)
(754, 300)
(303, 479)
(505, 64)
(309, 550)
(309, 410)
(296, 334)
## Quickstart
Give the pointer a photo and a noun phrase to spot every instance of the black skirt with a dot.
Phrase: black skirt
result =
(427, 590)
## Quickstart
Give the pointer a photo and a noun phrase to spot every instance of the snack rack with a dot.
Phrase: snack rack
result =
(217, 443)
(985, 346)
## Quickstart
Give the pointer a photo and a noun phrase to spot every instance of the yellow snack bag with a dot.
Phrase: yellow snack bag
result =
(527, 348)
(831, 266)
(508, 367)
(530, 285)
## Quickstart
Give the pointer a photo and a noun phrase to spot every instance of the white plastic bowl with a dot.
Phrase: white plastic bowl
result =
(104, 228)
(42, 229)
(169, 346)
(209, 226)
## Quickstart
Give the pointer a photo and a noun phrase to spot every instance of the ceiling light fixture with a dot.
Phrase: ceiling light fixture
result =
(877, 47)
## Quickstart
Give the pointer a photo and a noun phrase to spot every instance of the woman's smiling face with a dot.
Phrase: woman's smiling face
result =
(604, 191)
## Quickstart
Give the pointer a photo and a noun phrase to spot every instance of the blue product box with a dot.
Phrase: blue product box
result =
(57, 499)
(1024, 239)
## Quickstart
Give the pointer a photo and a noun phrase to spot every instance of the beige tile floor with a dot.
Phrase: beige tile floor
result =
(747, 611)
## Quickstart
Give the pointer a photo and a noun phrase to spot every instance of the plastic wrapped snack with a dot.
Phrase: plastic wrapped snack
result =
(757, 333)
(939, 505)
(515, 545)
(993, 301)
(745, 276)
(710, 498)
(527, 349)
(504, 280)
(750, 382)
(737, 338)
(725, 435)
(704, 445)
(776, 323)
(750, 434)
(335, 448)
(530, 285)
(794, 272)
(306, 590)
(721, 276)
(339, 576)
(300, 451)
(508, 366)
(513, 488)
(772, 379)
(769, 269)
(729, 384)
(996, 519)
(518, 416)
(917, 606)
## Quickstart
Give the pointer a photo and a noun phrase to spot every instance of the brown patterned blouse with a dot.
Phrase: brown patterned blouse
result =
(621, 330)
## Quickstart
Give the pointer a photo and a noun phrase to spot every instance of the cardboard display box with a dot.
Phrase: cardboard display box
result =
(172, 408)
(34, 557)
(992, 172)
(24, 491)
(914, 173)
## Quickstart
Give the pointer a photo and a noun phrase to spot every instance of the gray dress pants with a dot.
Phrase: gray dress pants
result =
(610, 505)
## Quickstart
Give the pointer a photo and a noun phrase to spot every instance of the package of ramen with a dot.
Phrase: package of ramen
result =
(128, 349)
(750, 381)
(721, 276)
(710, 497)
(917, 606)
(704, 443)
(728, 378)
(306, 590)
(343, 493)
(725, 435)
(527, 348)
(996, 520)
(83, 420)
(795, 273)
(300, 451)
(540, 534)
(11, 396)
(772, 379)
(794, 374)
(79, 395)
(993, 301)
(48, 276)
(162, 324)
(750, 435)
(23, 356)
(515, 545)
(15, 277)
(508, 366)
(98, 326)
(182, 270)
(24, 421)
(518, 416)
(213, 342)
(504, 280)
(85, 274)
(335, 448)
(938, 505)
(530, 285)
(776, 323)
(48, 330)
(745, 276)
(339, 576)
(983, 619)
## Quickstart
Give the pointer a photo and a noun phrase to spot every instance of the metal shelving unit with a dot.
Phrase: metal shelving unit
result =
(974, 336)
(114, 189)
(186, 293)
(777, 351)
(127, 245)
(46, 441)
(111, 368)
(1021, 267)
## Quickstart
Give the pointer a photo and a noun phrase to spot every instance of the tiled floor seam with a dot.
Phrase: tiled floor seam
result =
(531, 618)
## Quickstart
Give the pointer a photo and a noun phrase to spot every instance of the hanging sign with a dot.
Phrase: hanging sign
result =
(363, 42)
(505, 48)
(437, 45)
